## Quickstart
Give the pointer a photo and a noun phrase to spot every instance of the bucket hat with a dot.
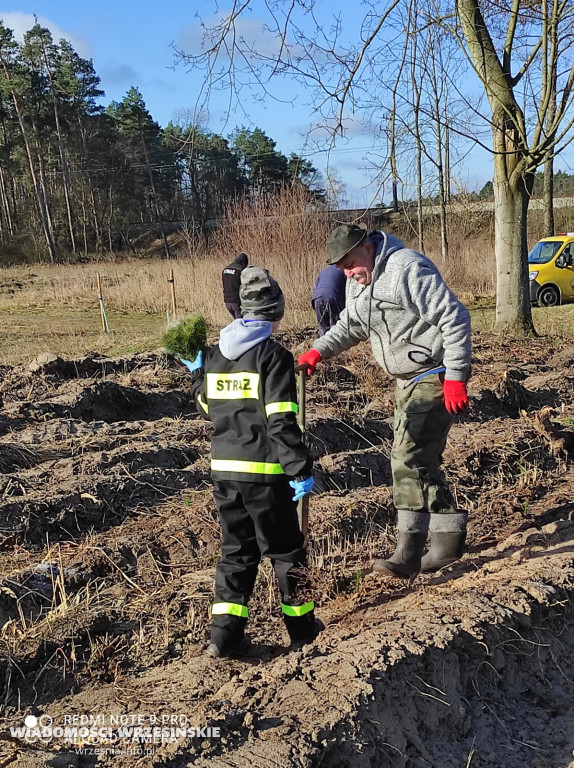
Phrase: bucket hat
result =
(343, 239)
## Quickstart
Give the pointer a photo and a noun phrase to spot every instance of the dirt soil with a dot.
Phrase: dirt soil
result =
(109, 538)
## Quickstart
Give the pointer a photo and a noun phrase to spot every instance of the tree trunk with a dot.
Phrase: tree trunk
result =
(40, 200)
(442, 200)
(549, 79)
(513, 309)
(8, 195)
(395, 202)
(513, 182)
(65, 177)
(83, 219)
(61, 149)
(393, 149)
(110, 219)
(6, 203)
(419, 162)
(549, 197)
(44, 185)
(447, 175)
(37, 190)
(439, 160)
(155, 204)
(96, 222)
(198, 214)
(88, 166)
(416, 84)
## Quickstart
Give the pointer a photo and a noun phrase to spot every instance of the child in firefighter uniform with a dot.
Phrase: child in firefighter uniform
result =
(260, 467)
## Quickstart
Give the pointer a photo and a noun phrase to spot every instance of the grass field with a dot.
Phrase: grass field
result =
(55, 308)
(73, 333)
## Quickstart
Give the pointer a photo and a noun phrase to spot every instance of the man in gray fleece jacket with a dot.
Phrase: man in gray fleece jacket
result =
(420, 335)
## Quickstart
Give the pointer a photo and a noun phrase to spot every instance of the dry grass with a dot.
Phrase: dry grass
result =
(55, 307)
(13, 456)
(73, 332)
(284, 235)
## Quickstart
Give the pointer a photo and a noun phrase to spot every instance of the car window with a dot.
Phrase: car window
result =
(568, 255)
(542, 252)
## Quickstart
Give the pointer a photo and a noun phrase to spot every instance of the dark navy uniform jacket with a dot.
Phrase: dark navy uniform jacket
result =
(252, 402)
(330, 285)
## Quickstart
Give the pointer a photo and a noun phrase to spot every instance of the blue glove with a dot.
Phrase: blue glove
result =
(302, 487)
(193, 365)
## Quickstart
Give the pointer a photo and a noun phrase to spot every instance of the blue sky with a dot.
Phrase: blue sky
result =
(131, 44)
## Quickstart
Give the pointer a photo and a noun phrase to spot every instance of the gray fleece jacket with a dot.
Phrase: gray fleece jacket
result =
(413, 320)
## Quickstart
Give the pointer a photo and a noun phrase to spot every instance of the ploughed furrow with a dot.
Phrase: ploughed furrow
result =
(94, 490)
(478, 671)
(477, 668)
(109, 538)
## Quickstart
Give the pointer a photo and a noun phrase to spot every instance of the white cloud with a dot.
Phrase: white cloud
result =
(250, 33)
(20, 23)
(352, 127)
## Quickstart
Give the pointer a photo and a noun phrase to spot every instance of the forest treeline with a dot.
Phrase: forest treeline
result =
(563, 186)
(75, 177)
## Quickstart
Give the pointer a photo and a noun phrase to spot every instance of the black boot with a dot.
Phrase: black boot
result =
(405, 562)
(300, 641)
(302, 629)
(225, 651)
(227, 636)
(445, 548)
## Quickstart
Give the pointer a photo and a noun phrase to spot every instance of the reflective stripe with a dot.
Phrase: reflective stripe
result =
(297, 610)
(203, 404)
(252, 467)
(285, 407)
(232, 386)
(229, 609)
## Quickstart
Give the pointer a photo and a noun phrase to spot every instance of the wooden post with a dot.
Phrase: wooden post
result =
(171, 281)
(302, 504)
(105, 326)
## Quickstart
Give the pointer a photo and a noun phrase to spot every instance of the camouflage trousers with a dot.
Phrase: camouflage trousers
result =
(421, 426)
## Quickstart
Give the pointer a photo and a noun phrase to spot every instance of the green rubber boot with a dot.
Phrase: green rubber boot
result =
(405, 562)
(448, 537)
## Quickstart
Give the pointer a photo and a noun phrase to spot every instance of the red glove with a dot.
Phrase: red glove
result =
(455, 396)
(309, 360)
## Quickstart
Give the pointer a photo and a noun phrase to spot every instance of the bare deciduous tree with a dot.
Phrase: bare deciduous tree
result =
(518, 50)
(516, 54)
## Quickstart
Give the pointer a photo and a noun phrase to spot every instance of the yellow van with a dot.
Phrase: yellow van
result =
(551, 268)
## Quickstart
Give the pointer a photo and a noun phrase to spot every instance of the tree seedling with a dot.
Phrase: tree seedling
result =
(187, 338)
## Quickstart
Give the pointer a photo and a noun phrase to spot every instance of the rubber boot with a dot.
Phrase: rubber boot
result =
(227, 636)
(237, 649)
(448, 536)
(405, 562)
(304, 631)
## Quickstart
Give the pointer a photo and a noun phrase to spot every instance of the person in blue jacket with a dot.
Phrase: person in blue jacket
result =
(329, 297)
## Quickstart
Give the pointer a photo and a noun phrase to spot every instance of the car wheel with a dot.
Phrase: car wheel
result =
(548, 296)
